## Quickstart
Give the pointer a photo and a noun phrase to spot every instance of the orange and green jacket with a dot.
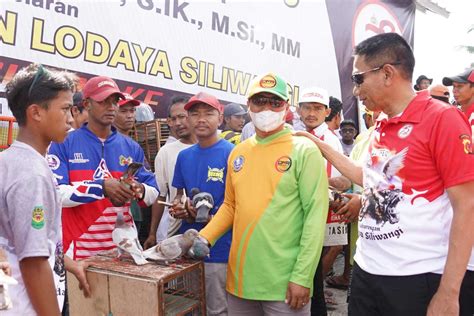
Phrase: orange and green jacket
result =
(276, 203)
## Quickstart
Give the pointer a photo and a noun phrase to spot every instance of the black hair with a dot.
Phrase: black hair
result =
(77, 101)
(176, 100)
(336, 107)
(387, 48)
(36, 84)
(349, 122)
(444, 99)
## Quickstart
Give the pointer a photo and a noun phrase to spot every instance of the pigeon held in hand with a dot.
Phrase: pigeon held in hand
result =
(203, 203)
(199, 250)
(173, 247)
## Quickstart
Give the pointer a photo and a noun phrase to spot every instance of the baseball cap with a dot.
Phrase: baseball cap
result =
(314, 95)
(100, 88)
(439, 90)
(348, 122)
(234, 109)
(466, 76)
(128, 100)
(203, 97)
(270, 83)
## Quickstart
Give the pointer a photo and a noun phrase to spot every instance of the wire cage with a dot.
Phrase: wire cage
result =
(120, 287)
(151, 136)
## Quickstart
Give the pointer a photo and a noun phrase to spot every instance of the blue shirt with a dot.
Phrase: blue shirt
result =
(205, 169)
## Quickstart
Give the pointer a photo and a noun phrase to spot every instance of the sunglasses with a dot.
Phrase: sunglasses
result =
(275, 103)
(39, 73)
(358, 78)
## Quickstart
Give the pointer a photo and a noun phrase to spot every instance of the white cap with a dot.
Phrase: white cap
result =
(314, 95)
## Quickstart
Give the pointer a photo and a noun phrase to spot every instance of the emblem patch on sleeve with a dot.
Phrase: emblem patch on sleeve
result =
(37, 219)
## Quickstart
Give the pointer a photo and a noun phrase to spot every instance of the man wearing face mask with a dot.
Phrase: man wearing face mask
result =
(278, 233)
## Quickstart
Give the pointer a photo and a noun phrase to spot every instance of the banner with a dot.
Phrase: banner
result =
(356, 20)
(157, 49)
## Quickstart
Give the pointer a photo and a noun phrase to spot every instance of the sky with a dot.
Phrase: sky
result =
(437, 40)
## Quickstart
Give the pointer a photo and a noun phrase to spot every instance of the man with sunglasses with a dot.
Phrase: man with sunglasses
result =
(416, 223)
(276, 204)
(463, 91)
(89, 165)
(30, 216)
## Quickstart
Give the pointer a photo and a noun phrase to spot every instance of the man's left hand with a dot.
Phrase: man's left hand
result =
(443, 304)
(78, 268)
(297, 296)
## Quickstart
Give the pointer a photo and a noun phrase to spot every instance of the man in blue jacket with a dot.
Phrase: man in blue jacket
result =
(88, 167)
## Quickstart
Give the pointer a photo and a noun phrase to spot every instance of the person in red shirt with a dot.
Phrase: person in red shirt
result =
(463, 91)
(416, 225)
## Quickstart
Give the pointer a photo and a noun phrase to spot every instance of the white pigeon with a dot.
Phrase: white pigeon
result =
(173, 247)
(125, 237)
(5, 281)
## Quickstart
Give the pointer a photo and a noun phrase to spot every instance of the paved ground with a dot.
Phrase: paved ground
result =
(340, 296)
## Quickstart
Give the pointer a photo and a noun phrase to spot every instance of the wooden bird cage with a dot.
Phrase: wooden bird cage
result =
(151, 136)
(120, 287)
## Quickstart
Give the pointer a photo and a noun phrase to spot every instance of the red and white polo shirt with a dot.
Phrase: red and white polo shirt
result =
(406, 215)
(470, 117)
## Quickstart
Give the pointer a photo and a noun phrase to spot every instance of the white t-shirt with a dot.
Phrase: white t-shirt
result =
(165, 162)
(30, 220)
(336, 233)
(325, 134)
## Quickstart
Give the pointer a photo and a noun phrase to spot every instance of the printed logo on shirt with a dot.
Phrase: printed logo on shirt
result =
(37, 218)
(283, 164)
(383, 187)
(102, 172)
(125, 161)
(405, 131)
(238, 163)
(215, 174)
(78, 159)
(466, 141)
(53, 162)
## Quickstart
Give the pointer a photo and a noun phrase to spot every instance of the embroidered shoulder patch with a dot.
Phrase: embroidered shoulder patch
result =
(37, 219)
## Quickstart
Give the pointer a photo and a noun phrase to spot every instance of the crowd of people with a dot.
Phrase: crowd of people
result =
(291, 190)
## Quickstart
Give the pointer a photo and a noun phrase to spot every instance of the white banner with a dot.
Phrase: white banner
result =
(188, 46)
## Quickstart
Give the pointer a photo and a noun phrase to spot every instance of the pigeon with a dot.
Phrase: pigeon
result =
(199, 250)
(173, 247)
(203, 203)
(5, 300)
(125, 237)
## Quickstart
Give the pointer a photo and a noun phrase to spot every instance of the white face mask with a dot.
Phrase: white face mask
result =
(267, 120)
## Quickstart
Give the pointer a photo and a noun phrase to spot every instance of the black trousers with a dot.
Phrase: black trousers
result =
(391, 295)
(318, 302)
(466, 298)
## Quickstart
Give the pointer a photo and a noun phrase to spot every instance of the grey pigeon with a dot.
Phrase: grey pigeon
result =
(199, 250)
(173, 247)
(125, 237)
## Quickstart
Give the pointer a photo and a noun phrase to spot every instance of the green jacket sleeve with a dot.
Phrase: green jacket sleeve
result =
(313, 190)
